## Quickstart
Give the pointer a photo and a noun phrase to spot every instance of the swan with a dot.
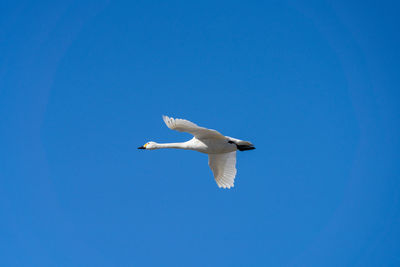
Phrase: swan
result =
(221, 149)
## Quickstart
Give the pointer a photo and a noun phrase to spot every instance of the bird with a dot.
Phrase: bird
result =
(221, 149)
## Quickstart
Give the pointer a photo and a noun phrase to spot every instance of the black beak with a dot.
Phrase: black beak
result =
(141, 147)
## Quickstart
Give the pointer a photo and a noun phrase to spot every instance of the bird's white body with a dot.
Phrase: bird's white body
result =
(221, 149)
(207, 146)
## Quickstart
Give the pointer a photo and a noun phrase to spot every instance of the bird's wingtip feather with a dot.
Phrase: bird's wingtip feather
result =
(166, 119)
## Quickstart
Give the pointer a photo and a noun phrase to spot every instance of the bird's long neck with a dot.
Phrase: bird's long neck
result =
(173, 145)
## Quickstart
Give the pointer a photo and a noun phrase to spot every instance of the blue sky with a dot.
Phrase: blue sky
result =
(314, 86)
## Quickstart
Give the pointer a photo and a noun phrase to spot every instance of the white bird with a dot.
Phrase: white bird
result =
(221, 149)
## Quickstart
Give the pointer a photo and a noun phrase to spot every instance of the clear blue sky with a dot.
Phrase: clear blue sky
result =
(315, 86)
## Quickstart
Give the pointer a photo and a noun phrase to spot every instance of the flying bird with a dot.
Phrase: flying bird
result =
(221, 149)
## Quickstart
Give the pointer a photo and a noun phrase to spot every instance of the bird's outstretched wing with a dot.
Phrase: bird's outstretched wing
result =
(223, 167)
(190, 127)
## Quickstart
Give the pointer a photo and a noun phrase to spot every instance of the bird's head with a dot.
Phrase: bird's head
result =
(149, 146)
